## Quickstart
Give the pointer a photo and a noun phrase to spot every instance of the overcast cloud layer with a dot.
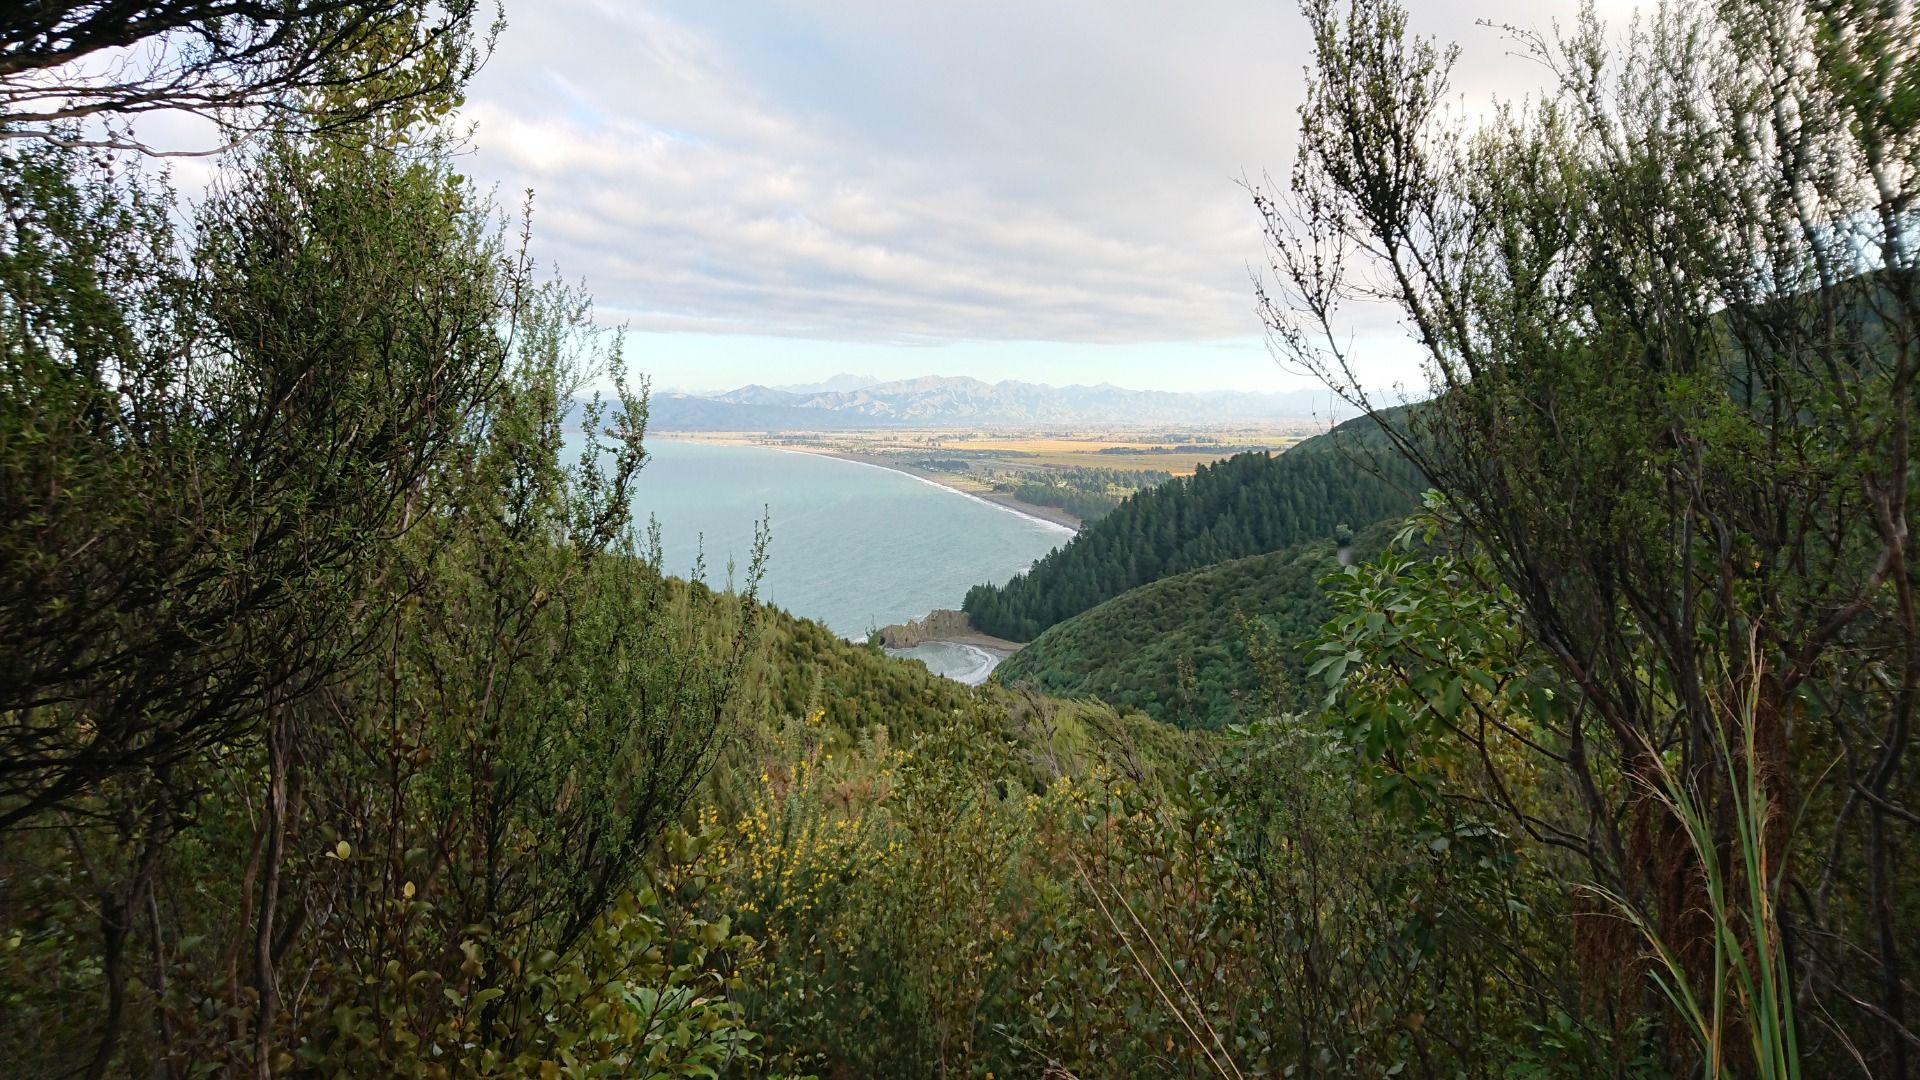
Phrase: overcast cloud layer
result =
(884, 172)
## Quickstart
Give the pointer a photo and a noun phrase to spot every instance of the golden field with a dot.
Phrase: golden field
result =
(1033, 450)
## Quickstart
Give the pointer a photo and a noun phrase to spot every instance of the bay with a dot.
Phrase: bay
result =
(956, 660)
(854, 546)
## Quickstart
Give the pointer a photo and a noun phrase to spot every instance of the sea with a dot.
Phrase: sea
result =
(852, 545)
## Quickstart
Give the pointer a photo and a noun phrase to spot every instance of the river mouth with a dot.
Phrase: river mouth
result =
(968, 664)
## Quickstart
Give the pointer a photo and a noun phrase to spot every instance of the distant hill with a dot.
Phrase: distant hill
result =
(1206, 648)
(1249, 504)
(938, 401)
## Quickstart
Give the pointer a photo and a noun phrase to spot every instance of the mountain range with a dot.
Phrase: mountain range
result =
(940, 401)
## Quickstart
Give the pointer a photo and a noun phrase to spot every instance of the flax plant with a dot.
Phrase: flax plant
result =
(1750, 989)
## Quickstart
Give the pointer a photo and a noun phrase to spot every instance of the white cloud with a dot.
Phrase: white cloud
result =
(866, 170)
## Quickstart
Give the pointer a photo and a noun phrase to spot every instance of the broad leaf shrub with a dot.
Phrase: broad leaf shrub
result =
(960, 904)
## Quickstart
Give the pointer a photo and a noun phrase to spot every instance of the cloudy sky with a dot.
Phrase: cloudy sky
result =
(777, 190)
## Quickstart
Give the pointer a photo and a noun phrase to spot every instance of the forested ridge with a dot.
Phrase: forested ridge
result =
(348, 728)
(1220, 645)
(1248, 504)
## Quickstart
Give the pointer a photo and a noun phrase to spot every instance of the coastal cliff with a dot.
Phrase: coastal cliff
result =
(943, 625)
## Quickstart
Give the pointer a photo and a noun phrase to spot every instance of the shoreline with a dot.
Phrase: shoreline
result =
(1046, 515)
(991, 651)
(952, 634)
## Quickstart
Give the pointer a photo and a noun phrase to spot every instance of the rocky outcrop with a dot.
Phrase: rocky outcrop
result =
(937, 626)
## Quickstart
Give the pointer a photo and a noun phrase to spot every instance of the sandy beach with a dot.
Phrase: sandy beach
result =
(949, 645)
(1050, 514)
(962, 659)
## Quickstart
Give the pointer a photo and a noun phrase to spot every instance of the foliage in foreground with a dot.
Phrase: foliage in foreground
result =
(1031, 890)
(342, 719)
(348, 732)
(1670, 318)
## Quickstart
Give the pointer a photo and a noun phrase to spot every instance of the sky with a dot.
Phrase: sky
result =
(775, 191)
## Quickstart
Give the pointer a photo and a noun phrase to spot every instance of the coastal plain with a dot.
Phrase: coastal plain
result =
(1024, 471)
(992, 464)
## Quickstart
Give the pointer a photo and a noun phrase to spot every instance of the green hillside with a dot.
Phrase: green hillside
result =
(1205, 648)
(808, 668)
(1249, 504)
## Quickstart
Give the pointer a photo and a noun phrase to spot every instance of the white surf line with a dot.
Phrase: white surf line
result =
(980, 671)
(973, 676)
(1052, 525)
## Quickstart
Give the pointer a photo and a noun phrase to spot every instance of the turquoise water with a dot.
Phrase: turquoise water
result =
(854, 546)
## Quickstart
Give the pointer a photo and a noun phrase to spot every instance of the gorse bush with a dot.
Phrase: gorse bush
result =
(975, 900)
